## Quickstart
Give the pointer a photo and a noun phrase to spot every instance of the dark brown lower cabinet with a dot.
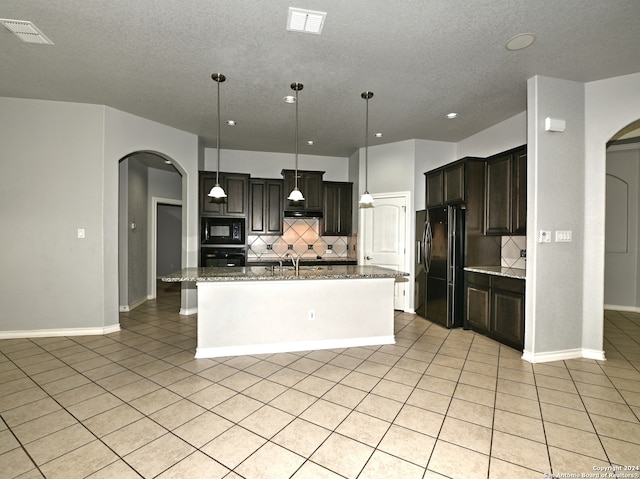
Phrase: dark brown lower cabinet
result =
(495, 307)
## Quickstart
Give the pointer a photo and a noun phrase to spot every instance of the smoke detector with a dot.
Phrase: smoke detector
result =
(26, 31)
(306, 21)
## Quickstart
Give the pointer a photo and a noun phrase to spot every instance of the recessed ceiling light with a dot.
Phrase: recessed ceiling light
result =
(289, 99)
(520, 42)
(452, 115)
(310, 142)
(231, 122)
(26, 31)
(378, 135)
(306, 21)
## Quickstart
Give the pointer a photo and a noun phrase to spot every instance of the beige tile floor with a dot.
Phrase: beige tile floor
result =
(438, 403)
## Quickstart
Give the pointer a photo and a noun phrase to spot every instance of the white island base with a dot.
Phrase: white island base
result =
(260, 317)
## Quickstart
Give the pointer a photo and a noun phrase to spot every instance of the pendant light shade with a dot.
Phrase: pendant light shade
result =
(296, 194)
(366, 200)
(217, 191)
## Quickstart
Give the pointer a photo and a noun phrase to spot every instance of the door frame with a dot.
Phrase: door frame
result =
(408, 242)
(153, 242)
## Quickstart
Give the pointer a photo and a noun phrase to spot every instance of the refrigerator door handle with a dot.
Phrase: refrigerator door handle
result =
(428, 241)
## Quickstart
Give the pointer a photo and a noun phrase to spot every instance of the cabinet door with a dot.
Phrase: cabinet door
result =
(435, 188)
(265, 206)
(507, 311)
(454, 189)
(235, 185)
(312, 190)
(478, 301)
(337, 208)
(209, 205)
(274, 207)
(309, 183)
(519, 208)
(498, 203)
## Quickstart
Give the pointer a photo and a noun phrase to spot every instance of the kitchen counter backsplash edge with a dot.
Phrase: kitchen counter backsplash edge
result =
(516, 273)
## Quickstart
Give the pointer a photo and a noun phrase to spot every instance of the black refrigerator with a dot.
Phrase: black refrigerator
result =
(439, 294)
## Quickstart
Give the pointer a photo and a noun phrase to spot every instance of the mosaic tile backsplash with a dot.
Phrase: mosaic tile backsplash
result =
(510, 252)
(301, 236)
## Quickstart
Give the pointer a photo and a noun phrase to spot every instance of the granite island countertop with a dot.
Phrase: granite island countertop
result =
(516, 273)
(267, 273)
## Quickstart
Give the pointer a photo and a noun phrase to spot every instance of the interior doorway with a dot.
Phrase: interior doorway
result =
(144, 178)
(166, 240)
(622, 221)
(384, 237)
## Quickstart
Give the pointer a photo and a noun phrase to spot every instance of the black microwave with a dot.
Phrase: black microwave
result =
(222, 231)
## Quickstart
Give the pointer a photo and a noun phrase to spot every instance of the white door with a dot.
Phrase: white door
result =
(384, 238)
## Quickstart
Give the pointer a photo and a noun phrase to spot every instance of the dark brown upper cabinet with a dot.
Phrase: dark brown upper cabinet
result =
(235, 186)
(338, 202)
(310, 184)
(506, 193)
(449, 185)
(265, 206)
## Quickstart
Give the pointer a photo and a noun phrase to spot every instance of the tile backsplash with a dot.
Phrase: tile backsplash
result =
(510, 252)
(302, 237)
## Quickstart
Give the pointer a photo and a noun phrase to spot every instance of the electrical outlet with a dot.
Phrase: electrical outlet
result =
(312, 315)
(544, 237)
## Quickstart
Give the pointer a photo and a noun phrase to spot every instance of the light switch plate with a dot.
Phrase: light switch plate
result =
(544, 236)
(563, 237)
(81, 233)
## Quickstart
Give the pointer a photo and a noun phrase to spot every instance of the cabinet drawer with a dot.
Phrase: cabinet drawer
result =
(478, 279)
(508, 284)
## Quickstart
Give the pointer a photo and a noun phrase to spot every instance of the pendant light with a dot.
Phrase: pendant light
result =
(366, 200)
(296, 194)
(217, 191)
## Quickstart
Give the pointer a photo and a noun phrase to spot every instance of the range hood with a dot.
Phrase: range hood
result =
(302, 214)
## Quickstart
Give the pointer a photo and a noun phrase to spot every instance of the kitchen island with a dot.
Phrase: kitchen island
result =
(260, 310)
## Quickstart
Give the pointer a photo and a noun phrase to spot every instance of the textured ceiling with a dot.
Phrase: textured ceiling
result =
(421, 58)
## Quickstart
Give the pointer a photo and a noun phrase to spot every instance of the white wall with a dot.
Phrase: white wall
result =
(262, 164)
(503, 136)
(60, 173)
(126, 134)
(51, 185)
(555, 201)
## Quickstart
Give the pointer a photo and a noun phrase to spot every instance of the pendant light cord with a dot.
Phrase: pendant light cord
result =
(218, 137)
(296, 172)
(366, 148)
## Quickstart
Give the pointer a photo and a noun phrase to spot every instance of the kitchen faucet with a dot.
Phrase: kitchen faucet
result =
(295, 261)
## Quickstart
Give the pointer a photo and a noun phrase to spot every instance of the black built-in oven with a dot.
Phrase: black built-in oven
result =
(222, 256)
(222, 231)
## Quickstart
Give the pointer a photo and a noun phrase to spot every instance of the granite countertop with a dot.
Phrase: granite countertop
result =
(516, 273)
(266, 273)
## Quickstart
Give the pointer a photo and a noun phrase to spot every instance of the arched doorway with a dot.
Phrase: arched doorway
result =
(146, 179)
(622, 220)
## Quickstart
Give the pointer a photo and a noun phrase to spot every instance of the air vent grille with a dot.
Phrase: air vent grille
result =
(306, 21)
(26, 31)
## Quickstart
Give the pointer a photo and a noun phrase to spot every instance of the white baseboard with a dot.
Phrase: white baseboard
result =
(125, 308)
(616, 307)
(218, 352)
(188, 311)
(577, 353)
(50, 333)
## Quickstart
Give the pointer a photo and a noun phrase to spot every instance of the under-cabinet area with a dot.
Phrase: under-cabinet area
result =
(494, 303)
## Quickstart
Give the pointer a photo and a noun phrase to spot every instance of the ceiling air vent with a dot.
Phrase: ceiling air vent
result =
(306, 21)
(26, 31)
